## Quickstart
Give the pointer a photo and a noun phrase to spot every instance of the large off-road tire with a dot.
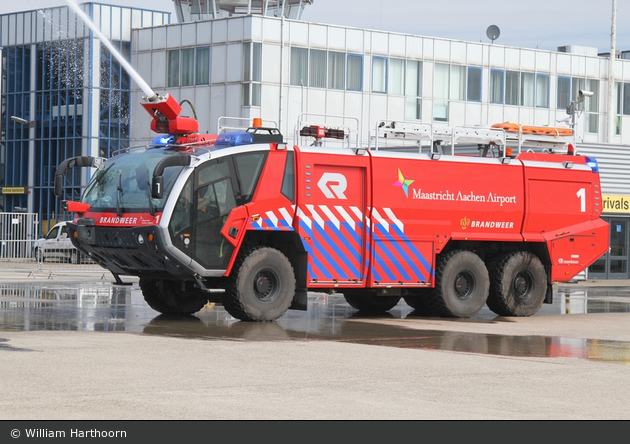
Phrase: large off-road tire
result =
(261, 286)
(518, 284)
(173, 297)
(368, 302)
(461, 285)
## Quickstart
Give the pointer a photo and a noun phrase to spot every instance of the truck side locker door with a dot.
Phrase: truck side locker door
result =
(332, 219)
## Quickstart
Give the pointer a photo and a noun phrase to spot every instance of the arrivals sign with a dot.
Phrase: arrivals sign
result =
(615, 204)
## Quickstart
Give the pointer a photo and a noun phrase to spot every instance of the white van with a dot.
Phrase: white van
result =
(56, 245)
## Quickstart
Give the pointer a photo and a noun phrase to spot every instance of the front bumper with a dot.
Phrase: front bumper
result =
(128, 250)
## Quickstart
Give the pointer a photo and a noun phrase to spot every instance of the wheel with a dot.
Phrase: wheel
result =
(420, 301)
(172, 297)
(461, 285)
(518, 284)
(365, 301)
(261, 286)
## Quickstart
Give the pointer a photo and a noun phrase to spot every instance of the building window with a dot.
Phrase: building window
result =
(592, 106)
(528, 90)
(458, 82)
(379, 74)
(625, 109)
(252, 73)
(441, 92)
(413, 90)
(618, 106)
(355, 73)
(512, 87)
(474, 85)
(496, 86)
(317, 70)
(184, 70)
(202, 76)
(188, 67)
(299, 66)
(173, 68)
(396, 77)
(336, 70)
(449, 84)
(564, 92)
(542, 90)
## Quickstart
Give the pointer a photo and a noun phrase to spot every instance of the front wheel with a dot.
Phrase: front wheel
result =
(461, 284)
(261, 286)
(173, 297)
(518, 284)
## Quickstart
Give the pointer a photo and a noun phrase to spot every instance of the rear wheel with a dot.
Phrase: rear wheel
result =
(461, 285)
(369, 302)
(518, 284)
(261, 286)
(173, 297)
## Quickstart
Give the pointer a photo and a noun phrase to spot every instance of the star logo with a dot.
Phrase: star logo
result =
(403, 182)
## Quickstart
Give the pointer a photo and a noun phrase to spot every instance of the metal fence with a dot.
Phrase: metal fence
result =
(20, 249)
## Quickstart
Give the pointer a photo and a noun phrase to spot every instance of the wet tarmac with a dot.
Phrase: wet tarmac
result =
(103, 307)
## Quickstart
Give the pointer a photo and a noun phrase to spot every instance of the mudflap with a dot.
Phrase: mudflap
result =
(300, 300)
(549, 294)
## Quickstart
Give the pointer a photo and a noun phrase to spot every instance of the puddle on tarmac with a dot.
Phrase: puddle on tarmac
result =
(110, 308)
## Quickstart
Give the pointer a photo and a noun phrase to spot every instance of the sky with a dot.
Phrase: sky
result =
(542, 24)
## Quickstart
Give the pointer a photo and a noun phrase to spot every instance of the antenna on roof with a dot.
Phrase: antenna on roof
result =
(493, 32)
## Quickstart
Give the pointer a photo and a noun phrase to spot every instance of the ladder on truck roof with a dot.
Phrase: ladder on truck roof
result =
(437, 136)
(547, 139)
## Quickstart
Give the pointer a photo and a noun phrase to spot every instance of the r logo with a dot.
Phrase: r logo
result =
(333, 185)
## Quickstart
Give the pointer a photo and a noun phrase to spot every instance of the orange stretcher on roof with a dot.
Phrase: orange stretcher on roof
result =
(511, 127)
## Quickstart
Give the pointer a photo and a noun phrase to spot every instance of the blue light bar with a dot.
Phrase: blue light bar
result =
(591, 162)
(163, 140)
(234, 139)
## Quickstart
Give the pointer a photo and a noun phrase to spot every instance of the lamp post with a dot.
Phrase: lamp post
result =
(31, 153)
(611, 76)
(30, 123)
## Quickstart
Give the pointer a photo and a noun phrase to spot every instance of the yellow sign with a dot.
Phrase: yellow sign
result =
(615, 204)
(13, 190)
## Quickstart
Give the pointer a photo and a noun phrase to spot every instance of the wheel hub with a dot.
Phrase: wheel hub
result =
(263, 285)
(463, 286)
(522, 286)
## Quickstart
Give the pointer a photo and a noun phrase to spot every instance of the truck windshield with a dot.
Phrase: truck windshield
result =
(122, 183)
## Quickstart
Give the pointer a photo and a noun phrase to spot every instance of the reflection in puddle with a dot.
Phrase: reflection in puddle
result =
(516, 346)
(104, 307)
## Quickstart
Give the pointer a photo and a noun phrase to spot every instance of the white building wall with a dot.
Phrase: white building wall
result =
(283, 103)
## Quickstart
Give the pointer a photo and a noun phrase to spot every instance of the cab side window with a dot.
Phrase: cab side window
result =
(249, 167)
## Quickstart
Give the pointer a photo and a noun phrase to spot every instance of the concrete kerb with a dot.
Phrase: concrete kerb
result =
(616, 283)
(61, 276)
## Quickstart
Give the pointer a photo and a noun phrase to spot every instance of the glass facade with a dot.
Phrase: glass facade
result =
(64, 94)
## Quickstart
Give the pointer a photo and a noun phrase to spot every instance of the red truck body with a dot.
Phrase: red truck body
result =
(447, 232)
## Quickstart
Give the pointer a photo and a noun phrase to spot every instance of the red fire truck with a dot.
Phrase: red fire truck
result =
(449, 219)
